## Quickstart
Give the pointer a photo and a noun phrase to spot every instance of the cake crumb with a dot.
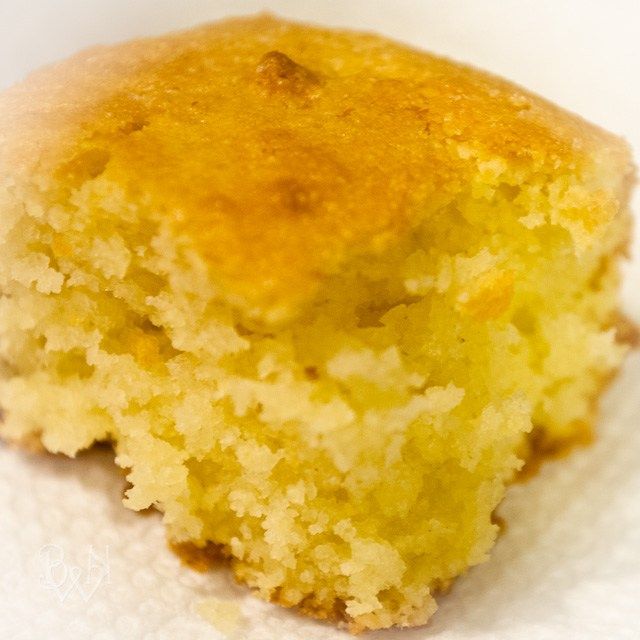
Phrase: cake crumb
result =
(225, 615)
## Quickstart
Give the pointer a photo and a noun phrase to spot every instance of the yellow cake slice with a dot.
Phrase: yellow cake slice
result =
(323, 293)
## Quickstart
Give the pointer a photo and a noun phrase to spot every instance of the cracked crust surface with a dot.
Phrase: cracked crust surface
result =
(299, 146)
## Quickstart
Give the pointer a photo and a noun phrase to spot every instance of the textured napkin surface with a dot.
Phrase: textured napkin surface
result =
(74, 563)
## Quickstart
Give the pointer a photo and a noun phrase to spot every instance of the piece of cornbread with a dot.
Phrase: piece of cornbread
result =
(325, 294)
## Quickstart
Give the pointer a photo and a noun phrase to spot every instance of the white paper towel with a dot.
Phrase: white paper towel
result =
(74, 563)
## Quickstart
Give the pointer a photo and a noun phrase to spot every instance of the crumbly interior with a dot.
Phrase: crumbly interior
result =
(348, 460)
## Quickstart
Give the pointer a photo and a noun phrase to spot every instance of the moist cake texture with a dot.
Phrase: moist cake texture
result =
(321, 291)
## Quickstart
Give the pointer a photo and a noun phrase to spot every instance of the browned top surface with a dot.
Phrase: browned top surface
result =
(282, 148)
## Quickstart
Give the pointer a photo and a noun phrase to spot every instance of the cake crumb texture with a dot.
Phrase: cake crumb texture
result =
(325, 294)
(224, 615)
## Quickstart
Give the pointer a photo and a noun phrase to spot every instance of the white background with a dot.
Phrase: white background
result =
(568, 566)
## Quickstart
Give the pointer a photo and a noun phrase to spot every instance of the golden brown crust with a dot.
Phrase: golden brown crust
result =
(627, 332)
(32, 443)
(541, 449)
(201, 559)
(279, 148)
